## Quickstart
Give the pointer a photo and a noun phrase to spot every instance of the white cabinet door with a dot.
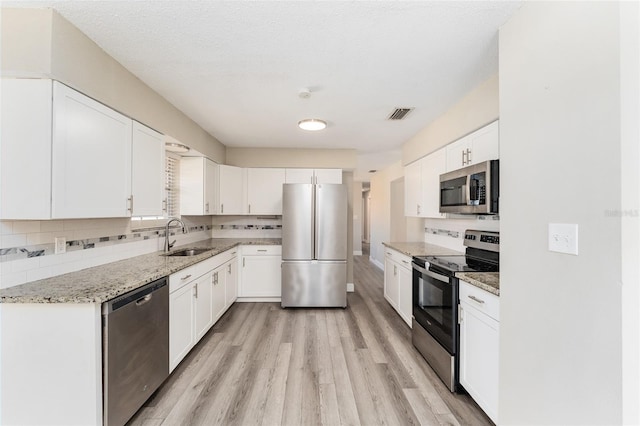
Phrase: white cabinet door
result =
(479, 348)
(328, 176)
(231, 282)
(405, 292)
(25, 149)
(147, 171)
(485, 144)
(181, 324)
(457, 153)
(413, 189)
(261, 276)
(211, 177)
(232, 190)
(264, 191)
(391, 282)
(219, 302)
(198, 186)
(433, 165)
(203, 295)
(91, 157)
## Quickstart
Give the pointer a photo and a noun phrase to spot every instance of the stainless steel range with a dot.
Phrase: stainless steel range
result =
(435, 300)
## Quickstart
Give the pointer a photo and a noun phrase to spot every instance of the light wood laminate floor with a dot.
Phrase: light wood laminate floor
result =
(263, 365)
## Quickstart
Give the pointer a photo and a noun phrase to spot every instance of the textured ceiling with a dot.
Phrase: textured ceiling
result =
(236, 67)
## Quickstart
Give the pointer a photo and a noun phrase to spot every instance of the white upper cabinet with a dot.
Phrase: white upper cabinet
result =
(91, 156)
(264, 191)
(232, 193)
(313, 176)
(481, 145)
(25, 149)
(422, 185)
(65, 155)
(147, 171)
(198, 186)
(413, 189)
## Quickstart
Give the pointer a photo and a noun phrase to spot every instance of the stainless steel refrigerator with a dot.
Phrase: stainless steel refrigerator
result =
(314, 245)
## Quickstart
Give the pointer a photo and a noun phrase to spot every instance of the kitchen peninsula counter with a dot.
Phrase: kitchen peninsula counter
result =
(105, 282)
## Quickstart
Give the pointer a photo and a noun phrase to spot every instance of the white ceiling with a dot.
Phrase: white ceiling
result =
(236, 67)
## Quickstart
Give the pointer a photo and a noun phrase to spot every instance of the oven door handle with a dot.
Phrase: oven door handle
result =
(431, 274)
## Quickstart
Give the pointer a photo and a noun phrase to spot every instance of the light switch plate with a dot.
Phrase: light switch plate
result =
(563, 238)
(60, 245)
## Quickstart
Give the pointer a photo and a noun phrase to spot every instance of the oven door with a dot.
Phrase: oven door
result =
(434, 305)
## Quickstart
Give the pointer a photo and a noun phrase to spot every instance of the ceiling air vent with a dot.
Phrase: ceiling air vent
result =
(399, 113)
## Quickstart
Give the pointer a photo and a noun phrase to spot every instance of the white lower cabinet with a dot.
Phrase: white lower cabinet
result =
(261, 273)
(197, 299)
(398, 283)
(231, 281)
(479, 346)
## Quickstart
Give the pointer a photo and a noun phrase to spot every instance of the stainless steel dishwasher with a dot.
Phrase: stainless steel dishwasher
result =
(135, 349)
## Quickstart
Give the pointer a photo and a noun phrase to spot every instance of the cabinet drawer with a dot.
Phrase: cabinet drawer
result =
(261, 250)
(401, 259)
(225, 256)
(180, 278)
(481, 300)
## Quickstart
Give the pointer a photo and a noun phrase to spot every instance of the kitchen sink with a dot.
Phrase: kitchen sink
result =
(188, 252)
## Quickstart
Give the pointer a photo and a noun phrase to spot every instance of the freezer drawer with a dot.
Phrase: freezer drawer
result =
(314, 284)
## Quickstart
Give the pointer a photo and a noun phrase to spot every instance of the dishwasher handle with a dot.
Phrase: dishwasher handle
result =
(139, 296)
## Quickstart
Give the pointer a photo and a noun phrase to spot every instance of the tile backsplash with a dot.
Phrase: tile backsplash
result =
(247, 226)
(27, 247)
(449, 232)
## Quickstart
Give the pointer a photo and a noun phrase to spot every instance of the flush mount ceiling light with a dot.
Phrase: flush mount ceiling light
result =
(312, 124)
(176, 147)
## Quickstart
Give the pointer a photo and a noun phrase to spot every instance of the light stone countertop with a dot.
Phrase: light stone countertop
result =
(105, 282)
(488, 281)
(421, 249)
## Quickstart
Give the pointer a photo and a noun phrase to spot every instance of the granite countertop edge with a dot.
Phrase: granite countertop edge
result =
(101, 283)
(420, 249)
(488, 281)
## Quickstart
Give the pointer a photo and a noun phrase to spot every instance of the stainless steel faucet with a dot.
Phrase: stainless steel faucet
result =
(167, 244)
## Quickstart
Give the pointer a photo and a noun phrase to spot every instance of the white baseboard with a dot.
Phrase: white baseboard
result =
(351, 287)
(258, 299)
(375, 262)
(357, 252)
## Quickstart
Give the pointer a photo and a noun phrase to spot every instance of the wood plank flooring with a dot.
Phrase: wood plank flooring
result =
(263, 365)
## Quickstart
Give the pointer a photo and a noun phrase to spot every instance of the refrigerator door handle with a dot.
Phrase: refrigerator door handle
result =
(314, 221)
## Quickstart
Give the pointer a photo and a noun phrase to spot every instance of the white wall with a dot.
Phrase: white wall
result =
(630, 178)
(380, 210)
(560, 319)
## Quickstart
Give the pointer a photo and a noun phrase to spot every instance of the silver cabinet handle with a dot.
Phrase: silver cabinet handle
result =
(249, 208)
(243, 262)
(475, 299)
(262, 250)
(221, 208)
(195, 291)
(186, 277)
(418, 208)
(395, 270)
(229, 268)
(405, 262)
(130, 203)
(164, 205)
(206, 208)
(468, 156)
(215, 278)
(463, 159)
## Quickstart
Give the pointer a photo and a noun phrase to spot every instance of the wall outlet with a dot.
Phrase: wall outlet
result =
(60, 245)
(563, 238)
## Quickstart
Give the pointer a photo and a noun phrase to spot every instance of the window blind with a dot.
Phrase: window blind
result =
(172, 186)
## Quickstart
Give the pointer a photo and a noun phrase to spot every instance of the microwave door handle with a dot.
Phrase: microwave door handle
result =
(468, 191)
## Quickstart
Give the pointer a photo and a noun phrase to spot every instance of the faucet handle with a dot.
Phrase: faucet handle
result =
(171, 244)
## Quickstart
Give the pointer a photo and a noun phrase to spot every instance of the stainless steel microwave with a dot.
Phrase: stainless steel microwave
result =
(471, 190)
